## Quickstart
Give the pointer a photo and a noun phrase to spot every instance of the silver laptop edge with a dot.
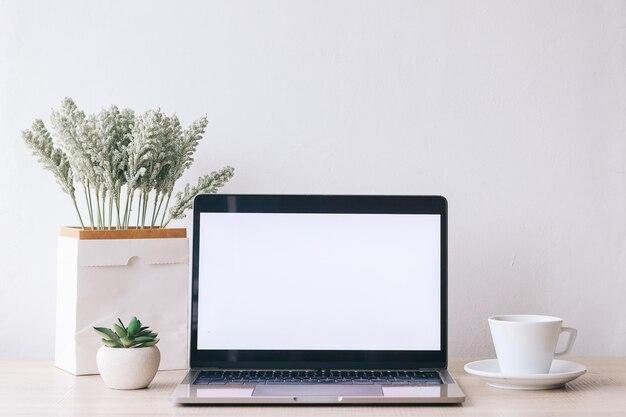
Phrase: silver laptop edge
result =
(448, 392)
(213, 347)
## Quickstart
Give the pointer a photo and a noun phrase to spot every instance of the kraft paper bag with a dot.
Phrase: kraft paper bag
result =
(101, 280)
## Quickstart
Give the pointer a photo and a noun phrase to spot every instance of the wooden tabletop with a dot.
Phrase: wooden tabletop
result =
(37, 388)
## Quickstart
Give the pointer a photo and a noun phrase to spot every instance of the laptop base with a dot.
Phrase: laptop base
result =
(187, 393)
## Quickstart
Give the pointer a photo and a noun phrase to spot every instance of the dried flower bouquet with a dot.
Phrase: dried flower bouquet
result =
(121, 159)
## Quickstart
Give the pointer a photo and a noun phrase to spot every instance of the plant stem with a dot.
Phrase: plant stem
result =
(98, 214)
(167, 203)
(104, 217)
(117, 209)
(146, 197)
(88, 199)
(118, 204)
(82, 225)
(155, 213)
(110, 210)
(129, 200)
(154, 207)
(130, 208)
(163, 226)
(139, 207)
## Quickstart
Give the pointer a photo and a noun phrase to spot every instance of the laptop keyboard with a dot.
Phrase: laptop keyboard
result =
(286, 377)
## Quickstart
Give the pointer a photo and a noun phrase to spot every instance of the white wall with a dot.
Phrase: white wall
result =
(514, 110)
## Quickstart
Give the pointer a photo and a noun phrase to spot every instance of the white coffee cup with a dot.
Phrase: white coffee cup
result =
(526, 343)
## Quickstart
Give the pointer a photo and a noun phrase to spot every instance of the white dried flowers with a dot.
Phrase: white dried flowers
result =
(122, 160)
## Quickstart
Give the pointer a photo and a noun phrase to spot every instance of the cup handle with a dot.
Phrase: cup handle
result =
(572, 337)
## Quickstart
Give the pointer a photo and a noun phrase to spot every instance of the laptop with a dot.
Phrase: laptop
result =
(318, 299)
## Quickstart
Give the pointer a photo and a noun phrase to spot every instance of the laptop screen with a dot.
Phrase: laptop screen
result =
(312, 280)
(319, 281)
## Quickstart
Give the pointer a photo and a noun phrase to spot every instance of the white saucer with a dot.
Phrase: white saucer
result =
(560, 373)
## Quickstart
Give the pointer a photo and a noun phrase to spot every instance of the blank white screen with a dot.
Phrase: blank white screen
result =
(319, 281)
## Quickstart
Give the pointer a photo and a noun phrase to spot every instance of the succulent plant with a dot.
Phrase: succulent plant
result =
(133, 336)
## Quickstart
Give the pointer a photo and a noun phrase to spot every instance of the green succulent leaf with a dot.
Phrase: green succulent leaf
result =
(148, 344)
(133, 336)
(111, 343)
(143, 339)
(106, 333)
(119, 330)
(121, 324)
(133, 327)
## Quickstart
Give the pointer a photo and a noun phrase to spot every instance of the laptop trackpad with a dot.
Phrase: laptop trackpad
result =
(318, 390)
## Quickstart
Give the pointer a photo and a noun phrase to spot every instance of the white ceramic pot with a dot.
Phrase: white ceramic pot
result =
(132, 368)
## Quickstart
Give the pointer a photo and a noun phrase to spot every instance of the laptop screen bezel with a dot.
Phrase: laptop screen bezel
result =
(314, 359)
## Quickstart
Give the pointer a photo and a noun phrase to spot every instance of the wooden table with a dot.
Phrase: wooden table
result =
(36, 387)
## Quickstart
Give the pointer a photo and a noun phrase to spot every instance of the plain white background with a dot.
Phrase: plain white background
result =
(514, 110)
